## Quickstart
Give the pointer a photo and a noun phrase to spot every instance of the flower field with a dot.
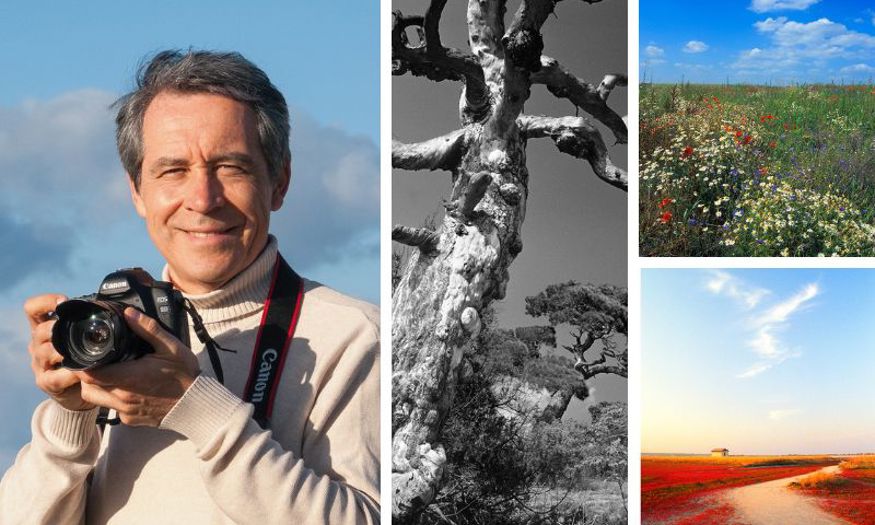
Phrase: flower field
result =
(850, 494)
(683, 489)
(757, 171)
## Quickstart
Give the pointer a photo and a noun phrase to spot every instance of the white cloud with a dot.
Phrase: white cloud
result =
(858, 69)
(654, 51)
(721, 282)
(783, 310)
(764, 6)
(755, 369)
(764, 325)
(797, 47)
(695, 46)
(777, 415)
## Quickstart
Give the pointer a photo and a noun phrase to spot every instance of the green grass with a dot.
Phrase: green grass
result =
(757, 171)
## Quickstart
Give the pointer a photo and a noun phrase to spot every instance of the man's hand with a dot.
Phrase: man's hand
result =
(144, 390)
(60, 384)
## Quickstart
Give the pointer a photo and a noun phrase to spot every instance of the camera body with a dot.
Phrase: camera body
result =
(91, 330)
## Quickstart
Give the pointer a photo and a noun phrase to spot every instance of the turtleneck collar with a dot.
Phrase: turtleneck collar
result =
(242, 295)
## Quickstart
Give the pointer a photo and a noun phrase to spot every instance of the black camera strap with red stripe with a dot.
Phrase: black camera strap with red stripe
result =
(281, 312)
(275, 333)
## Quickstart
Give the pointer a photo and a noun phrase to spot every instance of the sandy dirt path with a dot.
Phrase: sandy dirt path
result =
(772, 503)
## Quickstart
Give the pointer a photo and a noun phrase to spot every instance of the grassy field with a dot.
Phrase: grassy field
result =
(683, 489)
(849, 494)
(757, 171)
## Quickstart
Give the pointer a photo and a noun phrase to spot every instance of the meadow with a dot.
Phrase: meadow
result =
(735, 170)
(849, 494)
(685, 490)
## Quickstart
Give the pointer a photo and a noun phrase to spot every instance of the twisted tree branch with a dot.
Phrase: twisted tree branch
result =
(422, 238)
(434, 61)
(563, 84)
(609, 82)
(577, 137)
(444, 152)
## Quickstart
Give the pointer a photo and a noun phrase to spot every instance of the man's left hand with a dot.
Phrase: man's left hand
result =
(144, 390)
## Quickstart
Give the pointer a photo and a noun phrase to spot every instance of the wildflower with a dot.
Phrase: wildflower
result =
(773, 144)
(687, 152)
(739, 133)
(747, 139)
(725, 226)
(664, 202)
(692, 221)
(665, 217)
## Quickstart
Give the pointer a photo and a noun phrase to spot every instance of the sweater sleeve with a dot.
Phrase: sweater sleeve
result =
(47, 484)
(253, 479)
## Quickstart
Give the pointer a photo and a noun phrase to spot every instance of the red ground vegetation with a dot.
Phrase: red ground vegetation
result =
(678, 489)
(853, 501)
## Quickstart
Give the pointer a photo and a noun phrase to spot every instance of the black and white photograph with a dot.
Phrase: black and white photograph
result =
(509, 262)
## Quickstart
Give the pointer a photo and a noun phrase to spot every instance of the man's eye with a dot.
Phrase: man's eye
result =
(231, 169)
(172, 171)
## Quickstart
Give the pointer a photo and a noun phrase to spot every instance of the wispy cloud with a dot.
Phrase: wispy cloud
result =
(766, 324)
(765, 342)
(864, 69)
(695, 46)
(777, 415)
(654, 51)
(724, 283)
(764, 6)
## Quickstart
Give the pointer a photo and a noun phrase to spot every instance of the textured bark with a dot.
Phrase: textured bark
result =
(463, 264)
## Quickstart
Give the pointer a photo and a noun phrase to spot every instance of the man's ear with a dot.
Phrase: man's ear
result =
(281, 186)
(136, 199)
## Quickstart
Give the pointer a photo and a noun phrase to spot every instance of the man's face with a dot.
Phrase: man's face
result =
(205, 191)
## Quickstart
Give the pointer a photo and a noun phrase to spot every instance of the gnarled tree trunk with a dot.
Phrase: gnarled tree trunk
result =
(462, 265)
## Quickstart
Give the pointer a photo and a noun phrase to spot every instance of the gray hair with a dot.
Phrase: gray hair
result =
(227, 74)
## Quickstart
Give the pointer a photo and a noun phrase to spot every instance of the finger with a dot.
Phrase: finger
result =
(43, 332)
(150, 330)
(111, 375)
(98, 395)
(45, 355)
(38, 307)
(55, 382)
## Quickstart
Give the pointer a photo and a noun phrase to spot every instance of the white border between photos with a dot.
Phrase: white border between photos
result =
(633, 393)
(385, 262)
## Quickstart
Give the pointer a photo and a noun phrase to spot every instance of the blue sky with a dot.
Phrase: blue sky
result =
(65, 213)
(757, 41)
(766, 361)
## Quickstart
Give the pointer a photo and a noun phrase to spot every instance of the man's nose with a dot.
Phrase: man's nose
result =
(204, 192)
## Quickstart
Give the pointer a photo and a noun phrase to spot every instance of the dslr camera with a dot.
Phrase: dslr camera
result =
(91, 330)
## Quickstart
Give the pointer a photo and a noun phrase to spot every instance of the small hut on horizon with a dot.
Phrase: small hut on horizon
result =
(719, 452)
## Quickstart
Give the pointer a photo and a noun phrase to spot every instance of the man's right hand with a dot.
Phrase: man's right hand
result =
(59, 383)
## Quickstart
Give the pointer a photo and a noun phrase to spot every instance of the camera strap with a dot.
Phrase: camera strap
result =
(278, 321)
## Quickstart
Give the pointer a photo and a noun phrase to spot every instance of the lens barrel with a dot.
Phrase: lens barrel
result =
(93, 333)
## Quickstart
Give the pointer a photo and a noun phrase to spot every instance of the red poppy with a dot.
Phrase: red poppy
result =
(687, 152)
(747, 139)
(738, 133)
(715, 99)
(665, 217)
(766, 117)
(665, 202)
(773, 144)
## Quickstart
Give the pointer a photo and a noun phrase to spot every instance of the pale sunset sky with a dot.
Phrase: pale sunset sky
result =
(760, 361)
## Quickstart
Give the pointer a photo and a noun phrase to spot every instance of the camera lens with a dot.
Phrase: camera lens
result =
(93, 335)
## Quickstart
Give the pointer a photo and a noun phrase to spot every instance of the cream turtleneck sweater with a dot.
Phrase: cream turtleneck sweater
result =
(209, 462)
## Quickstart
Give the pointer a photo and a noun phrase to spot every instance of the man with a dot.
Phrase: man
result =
(205, 142)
